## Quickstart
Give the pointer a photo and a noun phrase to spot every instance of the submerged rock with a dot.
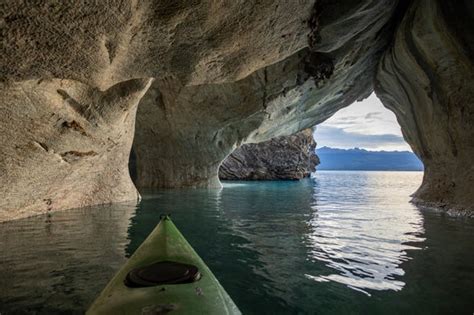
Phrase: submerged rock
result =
(286, 157)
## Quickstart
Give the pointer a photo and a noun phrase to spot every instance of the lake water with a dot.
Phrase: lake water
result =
(340, 243)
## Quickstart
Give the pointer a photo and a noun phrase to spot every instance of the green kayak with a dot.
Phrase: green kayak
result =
(164, 276)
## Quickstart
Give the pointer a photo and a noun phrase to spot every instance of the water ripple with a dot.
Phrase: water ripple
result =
(341, 243)
(363, 238)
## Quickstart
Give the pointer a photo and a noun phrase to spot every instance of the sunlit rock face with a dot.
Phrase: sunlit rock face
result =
(65, 145)
(286, 157)
(427, 79)
(183, 133)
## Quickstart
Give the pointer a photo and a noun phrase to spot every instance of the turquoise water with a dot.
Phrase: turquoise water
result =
(341, 243)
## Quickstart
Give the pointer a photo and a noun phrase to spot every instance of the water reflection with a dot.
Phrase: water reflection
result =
(297, 240)
(343, 243)
(58, 263)
(366, 235)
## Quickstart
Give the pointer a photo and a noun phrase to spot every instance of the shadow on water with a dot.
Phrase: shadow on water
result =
(57, 263)
(343, 243)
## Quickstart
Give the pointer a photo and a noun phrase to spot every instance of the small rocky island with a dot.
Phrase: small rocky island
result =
(285, 157)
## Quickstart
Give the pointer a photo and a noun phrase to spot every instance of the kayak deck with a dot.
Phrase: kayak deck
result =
(165, 243)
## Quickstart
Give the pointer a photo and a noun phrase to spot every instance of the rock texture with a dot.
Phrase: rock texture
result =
(211, 76)
(427, 79)
(73, 73)
(183, 133)
(104, 43)
(65, 145)
(286, 157)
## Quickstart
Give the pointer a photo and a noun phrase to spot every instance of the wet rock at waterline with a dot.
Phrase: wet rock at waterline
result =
(286, 157)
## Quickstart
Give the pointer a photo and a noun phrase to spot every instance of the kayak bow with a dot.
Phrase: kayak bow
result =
(164, 276)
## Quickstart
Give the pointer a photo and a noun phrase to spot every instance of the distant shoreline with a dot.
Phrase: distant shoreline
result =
(357, 159)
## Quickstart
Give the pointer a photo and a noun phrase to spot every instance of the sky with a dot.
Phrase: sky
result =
(366, 124)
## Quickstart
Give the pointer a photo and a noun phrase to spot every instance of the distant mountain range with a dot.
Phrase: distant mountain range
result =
(360, 159)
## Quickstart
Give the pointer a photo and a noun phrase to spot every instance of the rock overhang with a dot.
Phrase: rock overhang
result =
(225, 74)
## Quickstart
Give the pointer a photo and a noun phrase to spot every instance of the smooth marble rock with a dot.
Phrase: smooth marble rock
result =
(427, 79)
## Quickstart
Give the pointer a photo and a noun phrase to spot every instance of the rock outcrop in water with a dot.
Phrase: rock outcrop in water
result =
(286, 157)
(210, 76)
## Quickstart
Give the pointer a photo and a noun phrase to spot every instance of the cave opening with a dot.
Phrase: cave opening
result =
(364, 136)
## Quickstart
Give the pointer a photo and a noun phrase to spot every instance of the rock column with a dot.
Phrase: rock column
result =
(427, 79)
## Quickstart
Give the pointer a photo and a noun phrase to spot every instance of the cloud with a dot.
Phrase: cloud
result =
(339, 138)
(366, 124)
(366, 117)
(344, 122)
(350, 118)
(373, 115)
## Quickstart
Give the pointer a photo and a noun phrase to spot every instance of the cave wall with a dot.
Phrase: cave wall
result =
(183, 133)
(65, 145)
(427, 79)
(210, 76)
(103, 43)
(73, 73)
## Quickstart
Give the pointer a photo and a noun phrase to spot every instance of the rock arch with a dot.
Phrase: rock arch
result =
(223, 74)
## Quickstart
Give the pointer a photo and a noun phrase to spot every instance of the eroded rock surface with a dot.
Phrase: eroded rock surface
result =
(427, 79)
(65, 145)
(68, 94)
(104, 43)
(286, 157)
(184, 132)
(225, 74)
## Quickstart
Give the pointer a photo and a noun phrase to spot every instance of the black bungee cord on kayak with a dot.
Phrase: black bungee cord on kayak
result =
(162, 272)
